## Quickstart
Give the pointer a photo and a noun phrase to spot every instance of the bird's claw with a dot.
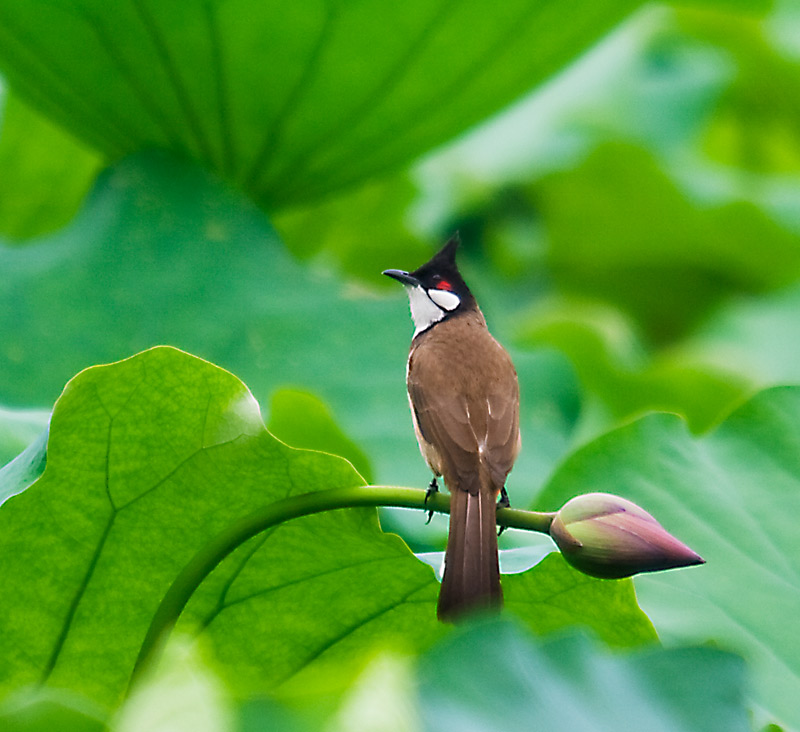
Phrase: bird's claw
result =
(503, 503)
(433, 487)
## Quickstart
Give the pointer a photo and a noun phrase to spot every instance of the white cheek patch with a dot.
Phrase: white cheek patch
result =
(444, 299)
(424, 311)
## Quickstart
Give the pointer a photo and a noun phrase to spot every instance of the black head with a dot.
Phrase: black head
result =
(436, 290)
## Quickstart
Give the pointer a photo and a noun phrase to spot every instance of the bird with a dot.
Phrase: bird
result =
(464, 397)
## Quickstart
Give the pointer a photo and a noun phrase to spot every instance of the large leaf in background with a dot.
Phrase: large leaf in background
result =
(46, 172)
(290, 100)
(553, 595)
(150, 458)
(734, 496)
(301, 420)
(568, 685)
(360, 230)
(759, 337)
(672, 236)
(165, 254)
(615, 368)
(753, 128)
(645, 246)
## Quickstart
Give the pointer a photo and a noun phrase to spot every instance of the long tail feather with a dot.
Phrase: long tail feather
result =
(471, 571)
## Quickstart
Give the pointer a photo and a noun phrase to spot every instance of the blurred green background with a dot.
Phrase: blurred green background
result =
(629, 227)
(231, 178)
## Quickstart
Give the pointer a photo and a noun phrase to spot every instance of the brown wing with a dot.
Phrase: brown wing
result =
(469, 414)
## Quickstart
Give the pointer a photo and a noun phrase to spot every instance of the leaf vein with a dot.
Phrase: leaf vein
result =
(179, 88)
(259, 166)
(353, 628)
(223, 103)
(222, 603)
(150, 106)
(395, 133)
(96, 126)
(76, 600)
(382, 89)
(299, 581)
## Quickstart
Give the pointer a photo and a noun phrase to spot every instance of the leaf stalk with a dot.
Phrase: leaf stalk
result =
(306, 504)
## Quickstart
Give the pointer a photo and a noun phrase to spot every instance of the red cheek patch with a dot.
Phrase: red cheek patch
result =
(444, 285)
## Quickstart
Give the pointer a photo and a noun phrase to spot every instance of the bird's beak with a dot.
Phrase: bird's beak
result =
(401, 276)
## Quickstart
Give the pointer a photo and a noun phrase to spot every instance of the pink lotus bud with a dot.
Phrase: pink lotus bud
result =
(609, 537)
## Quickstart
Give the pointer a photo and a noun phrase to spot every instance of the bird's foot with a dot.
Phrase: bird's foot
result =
(433, 487)
(503, 503)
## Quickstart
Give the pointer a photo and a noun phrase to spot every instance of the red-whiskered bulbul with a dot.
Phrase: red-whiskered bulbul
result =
(464, 396)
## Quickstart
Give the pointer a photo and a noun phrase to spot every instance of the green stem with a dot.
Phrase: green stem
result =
(212, 553)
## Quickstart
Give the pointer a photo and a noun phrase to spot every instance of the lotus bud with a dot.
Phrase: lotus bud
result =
(609, 537)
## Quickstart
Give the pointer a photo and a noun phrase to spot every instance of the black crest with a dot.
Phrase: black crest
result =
(442, 266)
